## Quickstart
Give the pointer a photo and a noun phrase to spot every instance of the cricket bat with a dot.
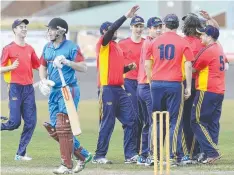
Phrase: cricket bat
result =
(71, 109)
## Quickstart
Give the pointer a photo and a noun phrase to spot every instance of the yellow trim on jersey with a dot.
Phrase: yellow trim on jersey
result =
(104, 64)
(183, 67)
(203, 79)
(7, 75)
(151, 70)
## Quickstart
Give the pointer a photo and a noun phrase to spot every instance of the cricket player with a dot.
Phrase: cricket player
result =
(154, 25)
(131, 47)
(211, 21)
(115, 103)
(210, 85)
(191, 149)
(171, 57)
(191, 22)
(17, 63)
(64, 54)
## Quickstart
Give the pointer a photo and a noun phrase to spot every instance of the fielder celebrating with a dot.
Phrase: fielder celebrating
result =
(154, 26)
(64, 54)
(210, 85)
(18, 61)
(191, 22)
(171, 58)
(115, 101)
(132, 49)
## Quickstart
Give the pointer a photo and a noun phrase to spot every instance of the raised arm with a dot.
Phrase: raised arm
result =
(114, 27)
(210, 20)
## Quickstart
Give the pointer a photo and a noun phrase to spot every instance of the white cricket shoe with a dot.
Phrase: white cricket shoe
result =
(25, 158)
(80, 165)
(101, 160)
(62, 170)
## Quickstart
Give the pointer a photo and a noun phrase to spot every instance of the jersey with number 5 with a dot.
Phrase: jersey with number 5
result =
(169, 53)
(210, 65)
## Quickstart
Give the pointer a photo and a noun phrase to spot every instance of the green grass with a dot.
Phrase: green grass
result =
(45, 151)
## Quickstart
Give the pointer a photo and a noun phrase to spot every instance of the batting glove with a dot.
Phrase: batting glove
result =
(45, 86)
(60, 60)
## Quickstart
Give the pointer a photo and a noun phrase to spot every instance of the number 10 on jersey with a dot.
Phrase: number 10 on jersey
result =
(167, 51)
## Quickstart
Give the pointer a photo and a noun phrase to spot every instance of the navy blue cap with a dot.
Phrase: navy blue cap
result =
(210, 31)
(171, 18)
(154, 22)
(137, 20)
(105, 26)
(18, 22)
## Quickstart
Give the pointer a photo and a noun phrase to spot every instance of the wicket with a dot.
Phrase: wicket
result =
(162, 115)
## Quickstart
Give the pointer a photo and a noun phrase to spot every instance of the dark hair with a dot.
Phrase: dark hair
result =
(172, 24)
(191, 23)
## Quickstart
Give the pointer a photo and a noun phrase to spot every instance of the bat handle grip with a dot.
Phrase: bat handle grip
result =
(62, 77)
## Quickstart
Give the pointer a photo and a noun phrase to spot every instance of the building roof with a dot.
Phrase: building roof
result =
(95, 16)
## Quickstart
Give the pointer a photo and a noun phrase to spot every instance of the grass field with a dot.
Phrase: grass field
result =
(45, 151)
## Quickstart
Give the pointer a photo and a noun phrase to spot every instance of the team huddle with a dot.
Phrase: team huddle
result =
(184, 75)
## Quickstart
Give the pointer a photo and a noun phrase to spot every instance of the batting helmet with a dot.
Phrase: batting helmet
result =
(58, 22)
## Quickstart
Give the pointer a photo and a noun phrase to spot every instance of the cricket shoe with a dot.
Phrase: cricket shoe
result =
(141, 160)
(185, 160)
(149, 161)
(131, 160)
(62, 170)
(201, 157)
(80, 165)
(24, 158)
(101, 160)
(211, 160)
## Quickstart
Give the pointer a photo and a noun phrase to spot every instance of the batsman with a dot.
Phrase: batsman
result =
(63, 54)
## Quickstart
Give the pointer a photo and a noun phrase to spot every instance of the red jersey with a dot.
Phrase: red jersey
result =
(142, 77)
(110, 63)
(28, 61)
(169, 53)
(132, 53)
(196, 45)
(210, 66)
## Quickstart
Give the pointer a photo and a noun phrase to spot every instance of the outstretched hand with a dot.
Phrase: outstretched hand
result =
(205, 14)
(132, 12)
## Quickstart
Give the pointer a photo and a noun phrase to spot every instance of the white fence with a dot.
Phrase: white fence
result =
(87, 40)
